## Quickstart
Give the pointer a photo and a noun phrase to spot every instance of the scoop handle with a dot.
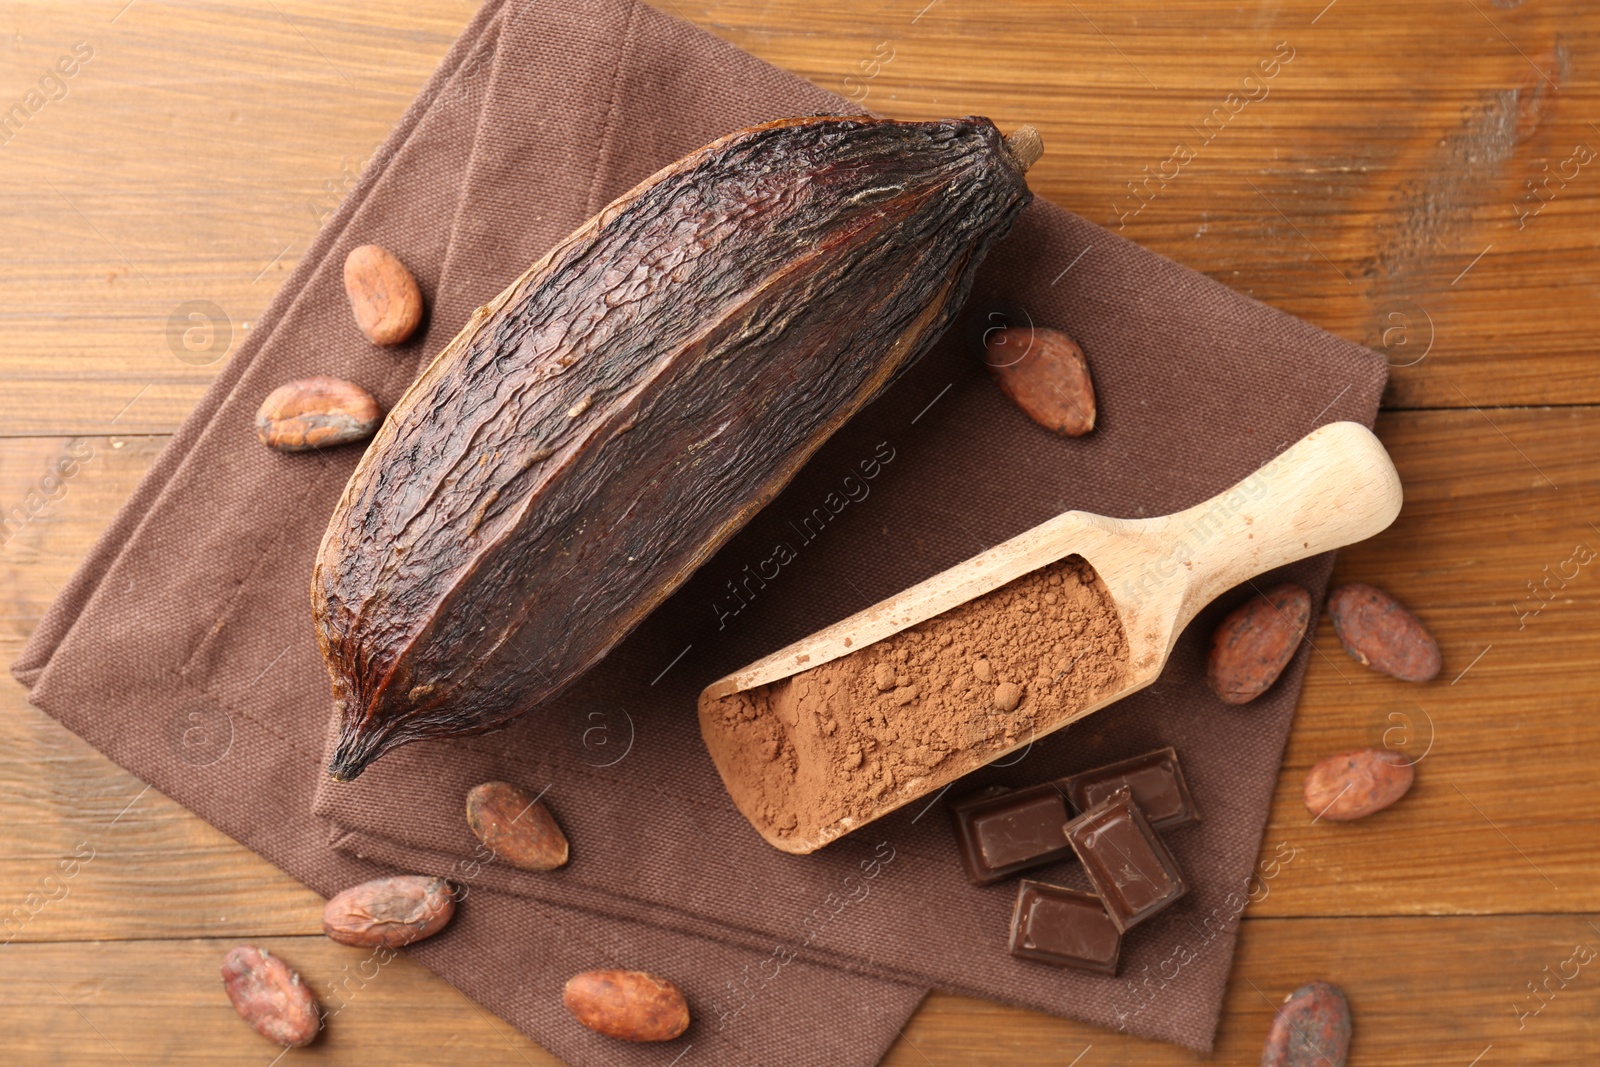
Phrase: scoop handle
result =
(1332, 488)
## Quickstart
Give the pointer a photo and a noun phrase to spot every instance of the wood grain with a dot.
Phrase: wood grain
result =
(90, 1003)
(1378, 188)
(1422, 991)
(1492, 500)
(1365, 176)
(1370, 172)
(161, 1002)
(157, 206)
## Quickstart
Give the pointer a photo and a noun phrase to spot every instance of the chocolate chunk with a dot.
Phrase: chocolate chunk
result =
(1053, 924)
(1131, 869)
(1002, 831)
(1156, 780)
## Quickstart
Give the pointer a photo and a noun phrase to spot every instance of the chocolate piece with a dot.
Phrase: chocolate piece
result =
(1131, 869)
(1002, 831)
(1054, 924)
(1156, 779)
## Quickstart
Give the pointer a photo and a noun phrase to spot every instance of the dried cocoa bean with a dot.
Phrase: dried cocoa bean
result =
(1045, 374)
(1380, 633)
(1311, 1029)
(383, 295)
(389, 912)
(630, 1005)
(516, 827)
(1352, 785)
(1255, 642)
(270, 996)
(313, 413)
(607, 422)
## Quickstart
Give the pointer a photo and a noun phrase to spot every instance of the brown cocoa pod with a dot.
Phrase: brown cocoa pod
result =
(383, 295)
(516, 827)
(270, 996)
(1254, 643)
(629, 1005)
(1045, 374)
(1311, 1029)
(1352, 785)
(606, 423)
(312, 413)
(389, 912)
(1376, 630)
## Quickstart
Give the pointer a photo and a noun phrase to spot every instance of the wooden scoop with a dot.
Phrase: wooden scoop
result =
(1334, 487)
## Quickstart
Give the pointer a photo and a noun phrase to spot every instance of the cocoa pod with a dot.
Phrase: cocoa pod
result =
(312, 413)
(629, 1005)
(1353, 785)
(607, 422)
(1311, 1029)
(383, 295)
(389, 912)
(1254, 643)
(516, 827)
(1376, 630)
(270, 996)
(1044, 373)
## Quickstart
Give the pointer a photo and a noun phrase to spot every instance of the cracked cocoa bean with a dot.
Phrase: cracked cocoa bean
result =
(270, 996)
(313, 413)
(389, 912)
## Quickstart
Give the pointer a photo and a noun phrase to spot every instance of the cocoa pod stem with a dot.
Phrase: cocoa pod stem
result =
(1025, 146)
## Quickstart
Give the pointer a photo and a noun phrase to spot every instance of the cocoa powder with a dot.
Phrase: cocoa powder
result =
(979, 678)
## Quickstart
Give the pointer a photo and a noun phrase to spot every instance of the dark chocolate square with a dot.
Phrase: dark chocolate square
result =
(1128, 864)
(1156, 779)
(1066, 927)
(1003, 831)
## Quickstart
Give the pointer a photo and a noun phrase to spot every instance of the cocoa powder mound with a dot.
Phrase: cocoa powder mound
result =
(823, 747)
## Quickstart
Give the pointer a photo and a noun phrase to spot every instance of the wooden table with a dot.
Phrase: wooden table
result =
(1421, 178)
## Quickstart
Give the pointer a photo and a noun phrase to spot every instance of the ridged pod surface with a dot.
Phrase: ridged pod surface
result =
(597, 431)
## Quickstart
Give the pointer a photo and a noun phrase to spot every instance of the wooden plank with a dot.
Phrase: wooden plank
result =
(1357, 192)
(1448, 990)
(221, 133)
(1353, 187)
(161, 1002)
(1493, 499)
(1422, 991)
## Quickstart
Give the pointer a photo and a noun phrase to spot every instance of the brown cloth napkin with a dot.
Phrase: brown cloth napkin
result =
(184, 650)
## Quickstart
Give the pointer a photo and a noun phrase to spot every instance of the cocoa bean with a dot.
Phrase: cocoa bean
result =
(1353, 785)
(383, 295)
(1311, 1029)
(312, 413)
(389, 912)
(1255, 642)
(516, 827)
(270, 996)
(1044, 373)
(1380, 633)
(629, 1005)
